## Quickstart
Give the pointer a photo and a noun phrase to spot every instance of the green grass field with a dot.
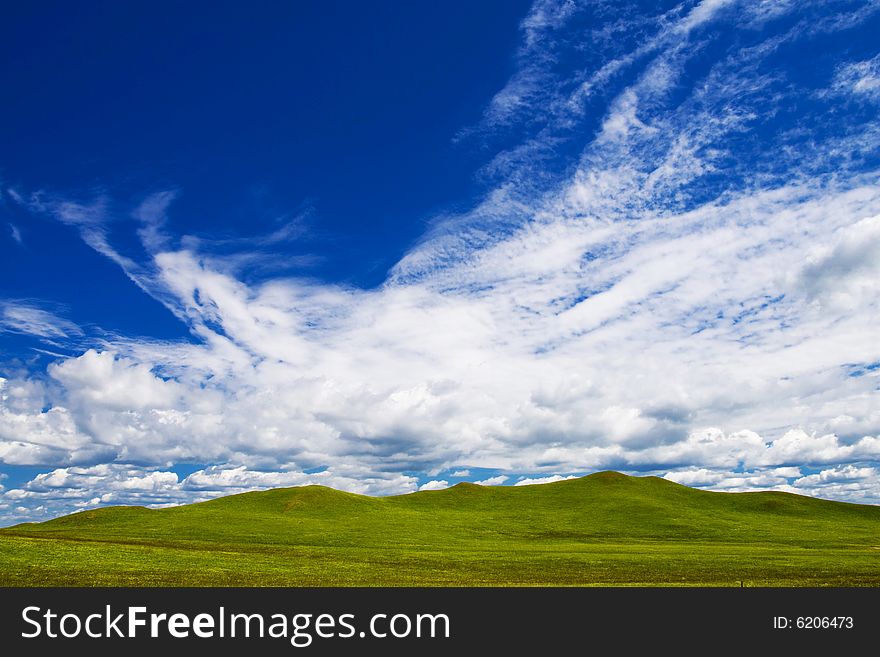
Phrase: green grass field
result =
(606, 529)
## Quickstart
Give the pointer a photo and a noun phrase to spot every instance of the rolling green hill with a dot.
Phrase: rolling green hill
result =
(603, 529)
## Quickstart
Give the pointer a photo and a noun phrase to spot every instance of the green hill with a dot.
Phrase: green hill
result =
(603, 529)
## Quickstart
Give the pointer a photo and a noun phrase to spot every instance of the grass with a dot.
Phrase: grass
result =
(603, 529)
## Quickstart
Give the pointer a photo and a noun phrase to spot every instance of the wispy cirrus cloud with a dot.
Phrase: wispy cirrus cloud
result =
(29, 318)
(15, 233)
(860, 79)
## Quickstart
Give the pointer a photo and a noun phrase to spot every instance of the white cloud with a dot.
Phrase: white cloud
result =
(226, 479)
(859, 79)
(152, 213)
(461, 473)
(15, 232)
(851, 482)
(844, 273)
(434, 484)
(493, 481)
(530, 481)
(837, 475)
(695, 477)
(113, 477)
(730, 481)
(92, 220)
(28, 318)
(103, 379)
(64, 490)
(702, 13)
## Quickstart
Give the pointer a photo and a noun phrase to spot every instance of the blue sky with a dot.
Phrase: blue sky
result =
(396, 246)
(339, 116)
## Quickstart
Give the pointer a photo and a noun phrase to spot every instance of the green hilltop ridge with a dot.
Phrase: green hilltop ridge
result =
(603, 529)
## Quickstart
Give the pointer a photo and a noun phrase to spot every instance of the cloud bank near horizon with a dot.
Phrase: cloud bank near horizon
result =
(693, 292)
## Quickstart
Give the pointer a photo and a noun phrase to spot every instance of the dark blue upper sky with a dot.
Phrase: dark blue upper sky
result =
(341, 113)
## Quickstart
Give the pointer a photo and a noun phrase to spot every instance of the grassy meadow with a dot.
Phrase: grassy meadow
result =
(605, 529)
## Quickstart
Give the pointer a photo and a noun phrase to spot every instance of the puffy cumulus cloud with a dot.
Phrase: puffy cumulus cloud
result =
(434, 484)
(799, 447)
(731, 481)
(680, 296)
(498, 480)
(114, 478)
(746, 448)
(697, 477)
(68, 489)
(227, 479)
(530, 481)
(853, 483)
(33, 435)
(105, 380)
(837, 475)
